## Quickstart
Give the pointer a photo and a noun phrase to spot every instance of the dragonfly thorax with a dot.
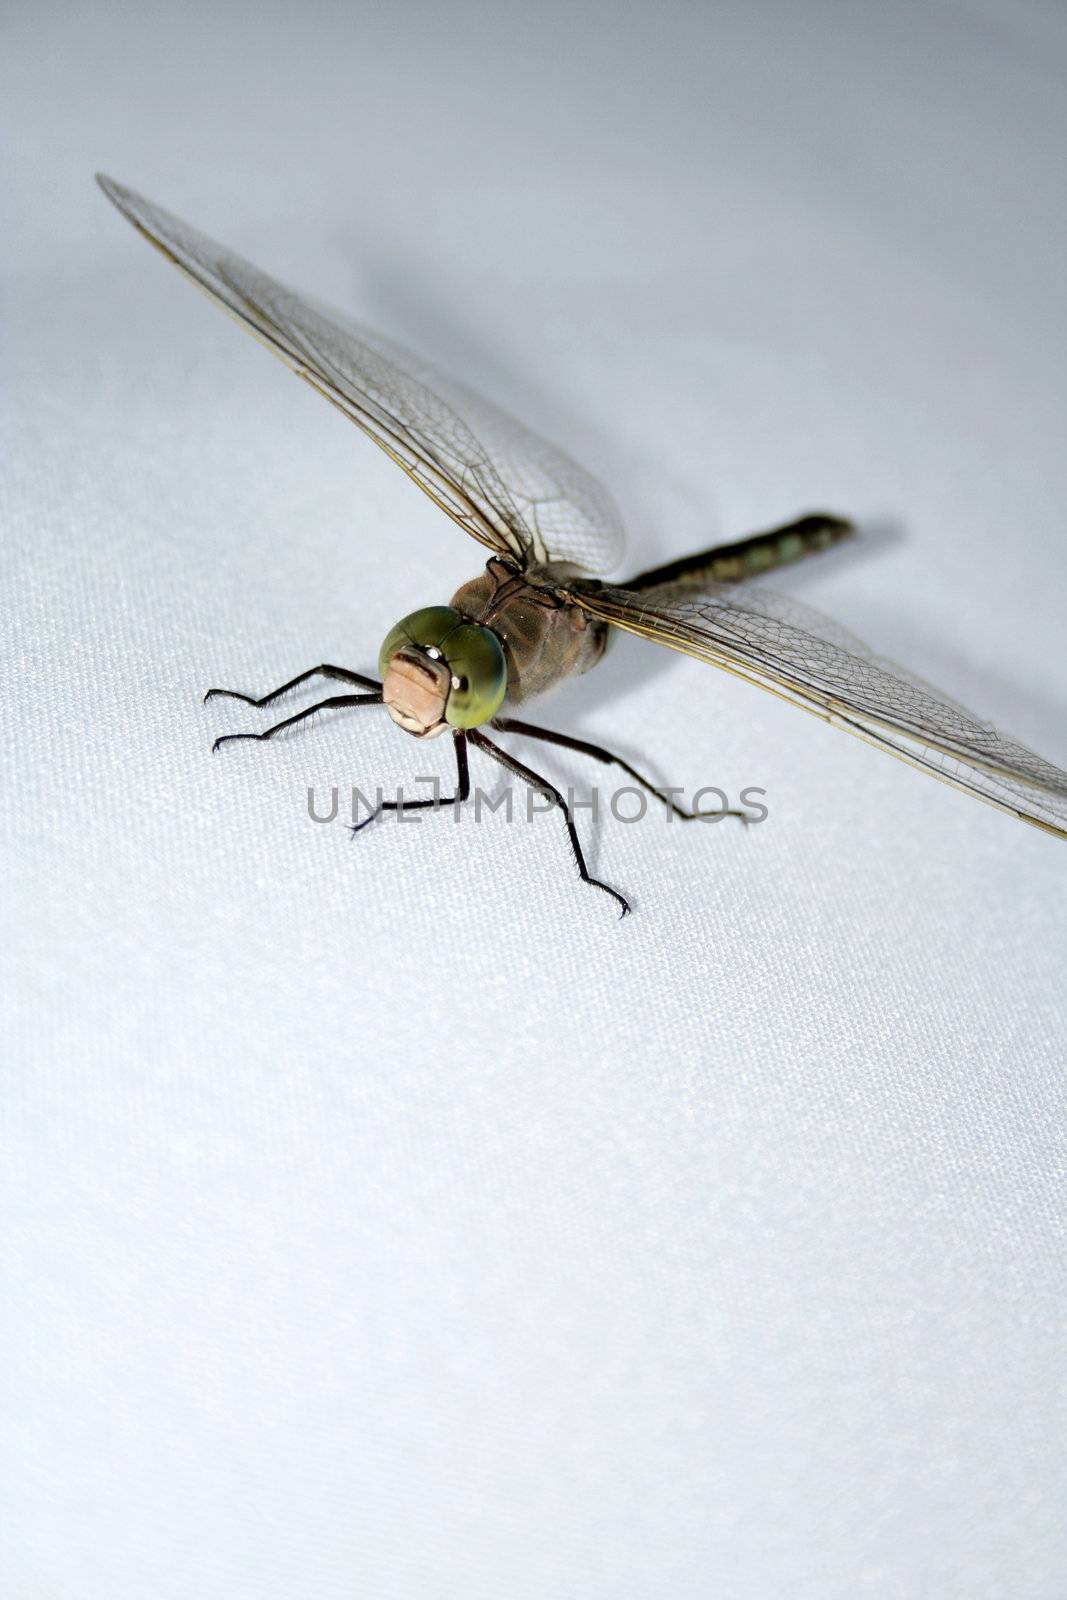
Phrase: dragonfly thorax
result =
(546, 637)
(440, 671)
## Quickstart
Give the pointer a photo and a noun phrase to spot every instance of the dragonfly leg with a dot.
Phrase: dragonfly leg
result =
(325, 671)
(463, 789)
(335, 701)
(535, 781)
(583, 747)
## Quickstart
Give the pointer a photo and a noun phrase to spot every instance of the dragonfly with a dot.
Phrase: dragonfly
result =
(543, 610)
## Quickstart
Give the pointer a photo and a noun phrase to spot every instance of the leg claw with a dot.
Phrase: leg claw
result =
(224, 738)
(230, 694)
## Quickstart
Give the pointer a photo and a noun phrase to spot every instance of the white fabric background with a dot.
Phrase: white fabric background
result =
(384, 1218)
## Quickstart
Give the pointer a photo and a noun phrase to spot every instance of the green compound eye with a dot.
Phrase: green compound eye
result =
(428, 629)
(472, 654)
(479, 676)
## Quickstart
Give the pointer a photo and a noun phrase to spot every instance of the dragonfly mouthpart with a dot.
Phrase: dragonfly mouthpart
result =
(415, 692)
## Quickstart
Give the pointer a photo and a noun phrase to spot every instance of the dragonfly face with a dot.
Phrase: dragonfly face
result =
(441, 671)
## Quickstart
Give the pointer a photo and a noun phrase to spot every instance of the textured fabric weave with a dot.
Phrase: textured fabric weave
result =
(382, 1217)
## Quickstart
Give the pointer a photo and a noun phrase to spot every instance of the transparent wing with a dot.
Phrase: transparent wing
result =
(794, 652)
(507, 488)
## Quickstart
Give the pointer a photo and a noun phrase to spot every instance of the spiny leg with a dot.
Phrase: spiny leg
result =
(537, 782)
(463, 788)
(325, 671)
(335, 701)
(583, 747)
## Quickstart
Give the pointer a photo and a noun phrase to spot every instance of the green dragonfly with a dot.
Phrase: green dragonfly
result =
(539, 613)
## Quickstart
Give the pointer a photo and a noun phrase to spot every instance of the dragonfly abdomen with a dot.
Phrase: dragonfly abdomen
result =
(749, 557)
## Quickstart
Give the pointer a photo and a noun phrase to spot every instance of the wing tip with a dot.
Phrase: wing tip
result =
(121, 197)
(114, 191)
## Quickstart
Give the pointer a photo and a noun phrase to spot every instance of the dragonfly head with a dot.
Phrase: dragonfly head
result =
(440, 671)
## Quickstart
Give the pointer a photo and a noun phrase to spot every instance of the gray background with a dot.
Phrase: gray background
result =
(384, 1218)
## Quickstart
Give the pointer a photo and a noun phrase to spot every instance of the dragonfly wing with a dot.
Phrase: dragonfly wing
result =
(512, 491)
(803, 657)
(563, 513)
